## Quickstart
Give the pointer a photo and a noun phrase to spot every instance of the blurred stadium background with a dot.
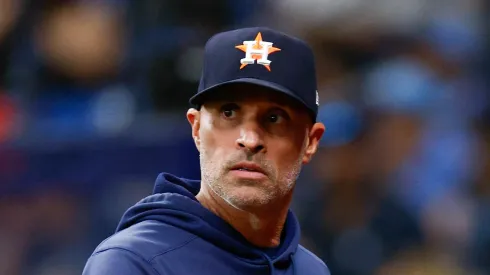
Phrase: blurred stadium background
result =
(93, 97)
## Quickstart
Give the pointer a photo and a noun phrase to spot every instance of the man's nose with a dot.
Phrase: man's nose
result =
(251, 139)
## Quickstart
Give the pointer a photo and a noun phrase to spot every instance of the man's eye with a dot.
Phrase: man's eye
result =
(229, 110)
(275, 118)
(228, 113)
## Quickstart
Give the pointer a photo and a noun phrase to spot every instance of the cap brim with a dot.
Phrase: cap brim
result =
(199, 98)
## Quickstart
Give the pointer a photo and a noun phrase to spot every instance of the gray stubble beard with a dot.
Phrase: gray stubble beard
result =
(212, 173)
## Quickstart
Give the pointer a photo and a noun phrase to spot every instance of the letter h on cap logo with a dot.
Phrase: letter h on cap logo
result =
(257, 50)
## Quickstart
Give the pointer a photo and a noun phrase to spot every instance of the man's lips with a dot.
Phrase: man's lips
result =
(249, 167)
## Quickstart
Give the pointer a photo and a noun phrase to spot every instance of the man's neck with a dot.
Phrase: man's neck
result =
(261, 228)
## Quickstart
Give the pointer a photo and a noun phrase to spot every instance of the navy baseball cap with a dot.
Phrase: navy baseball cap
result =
(260, 56)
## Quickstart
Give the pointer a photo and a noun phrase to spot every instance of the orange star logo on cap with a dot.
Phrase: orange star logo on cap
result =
(257, 50)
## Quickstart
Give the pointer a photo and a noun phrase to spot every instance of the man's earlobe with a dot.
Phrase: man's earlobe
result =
(193, 116)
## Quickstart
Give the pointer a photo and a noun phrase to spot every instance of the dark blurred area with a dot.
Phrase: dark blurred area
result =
(93, 96)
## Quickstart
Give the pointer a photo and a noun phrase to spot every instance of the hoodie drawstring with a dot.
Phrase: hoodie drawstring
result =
(292, 264)
(271, 265)
(269, 262)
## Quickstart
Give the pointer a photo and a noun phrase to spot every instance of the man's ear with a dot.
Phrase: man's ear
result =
(193, 116)
(314, 136)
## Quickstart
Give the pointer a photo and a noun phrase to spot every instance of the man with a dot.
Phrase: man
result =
(254, 124)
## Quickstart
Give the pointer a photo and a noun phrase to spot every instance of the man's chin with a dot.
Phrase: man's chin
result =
(248, 197)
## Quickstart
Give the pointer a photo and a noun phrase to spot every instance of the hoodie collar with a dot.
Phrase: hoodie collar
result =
(174, 202)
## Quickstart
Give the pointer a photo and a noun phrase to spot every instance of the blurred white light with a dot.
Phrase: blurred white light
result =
(113, 111)
(335, 16)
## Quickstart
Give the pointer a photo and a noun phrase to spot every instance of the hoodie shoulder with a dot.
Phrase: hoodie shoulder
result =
(309, 263)
(148, 239)
(118, 262)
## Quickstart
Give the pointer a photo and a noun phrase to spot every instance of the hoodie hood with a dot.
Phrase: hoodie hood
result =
(174, 203)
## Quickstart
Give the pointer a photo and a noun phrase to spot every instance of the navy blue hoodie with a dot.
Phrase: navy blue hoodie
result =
(170, 232)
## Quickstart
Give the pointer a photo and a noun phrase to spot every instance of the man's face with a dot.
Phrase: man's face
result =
(252, 144)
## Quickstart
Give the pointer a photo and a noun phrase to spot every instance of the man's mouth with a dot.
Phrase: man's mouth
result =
(248, 167)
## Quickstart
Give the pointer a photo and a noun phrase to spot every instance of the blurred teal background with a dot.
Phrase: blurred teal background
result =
(93, 96)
